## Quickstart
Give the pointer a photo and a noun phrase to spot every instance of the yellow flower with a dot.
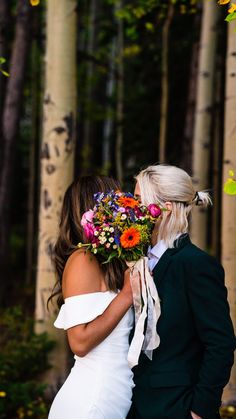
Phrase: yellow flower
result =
(223, 1)
(34, 2)
(3, 394)
(232, 9)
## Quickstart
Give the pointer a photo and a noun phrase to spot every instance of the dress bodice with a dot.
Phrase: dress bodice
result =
(84, 308)
(100, 384)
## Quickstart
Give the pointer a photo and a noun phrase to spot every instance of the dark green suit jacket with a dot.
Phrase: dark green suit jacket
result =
(192, 364)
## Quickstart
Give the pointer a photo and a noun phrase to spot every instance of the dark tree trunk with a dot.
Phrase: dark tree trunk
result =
(4, 28)
(187, 150)
(10, 125)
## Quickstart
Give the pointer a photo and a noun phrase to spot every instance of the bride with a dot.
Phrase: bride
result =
(95, 309)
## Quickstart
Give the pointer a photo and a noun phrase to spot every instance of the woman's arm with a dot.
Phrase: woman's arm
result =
(83, 275)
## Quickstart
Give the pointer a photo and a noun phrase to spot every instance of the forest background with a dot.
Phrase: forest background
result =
(108, 87)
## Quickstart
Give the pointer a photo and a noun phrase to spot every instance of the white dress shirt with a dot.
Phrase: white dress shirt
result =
(155, 253)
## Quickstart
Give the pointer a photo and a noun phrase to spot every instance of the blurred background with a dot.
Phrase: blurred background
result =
(108, 87)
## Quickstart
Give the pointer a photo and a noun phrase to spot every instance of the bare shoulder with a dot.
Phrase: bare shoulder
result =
(82, 274)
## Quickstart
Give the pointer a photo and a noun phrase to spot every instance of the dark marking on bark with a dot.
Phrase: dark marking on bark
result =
(233, 53)
(232, 74)
(47, 99)
(57, 151)
(226, 161)
(47, 202)
(49, 248)
(59, 130)
(45, 151)
(205, 74)
(50, 168)
(69, 122)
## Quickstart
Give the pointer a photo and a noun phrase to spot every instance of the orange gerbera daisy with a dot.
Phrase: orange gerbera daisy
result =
(130, 238)
(127, 202)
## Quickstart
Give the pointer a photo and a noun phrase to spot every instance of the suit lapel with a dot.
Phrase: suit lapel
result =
(165, 260)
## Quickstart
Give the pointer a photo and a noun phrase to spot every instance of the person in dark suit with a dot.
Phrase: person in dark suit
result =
(192, 364)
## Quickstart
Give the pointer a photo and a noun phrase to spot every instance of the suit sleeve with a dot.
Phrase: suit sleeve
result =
(208, 300)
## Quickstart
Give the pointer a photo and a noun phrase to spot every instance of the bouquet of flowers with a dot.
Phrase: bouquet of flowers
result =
(119, 226)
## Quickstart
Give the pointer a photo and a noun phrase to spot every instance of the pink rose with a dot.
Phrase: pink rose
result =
(154, 210)
(87, 223)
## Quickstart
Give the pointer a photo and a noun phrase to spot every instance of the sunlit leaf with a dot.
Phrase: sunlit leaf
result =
(231, 173)
(232, 8)
(230, 187)
(149, 26)
(230, 17)
(34, 2)
(2, 60)
(5, 73)
(223, 1)
(131, 51)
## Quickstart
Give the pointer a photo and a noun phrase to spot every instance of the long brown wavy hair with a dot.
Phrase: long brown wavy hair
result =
(79, 197)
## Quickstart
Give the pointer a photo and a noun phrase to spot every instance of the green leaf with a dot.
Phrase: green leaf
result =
(5, 73)
(2, 60)
(230, 17)
(230, 187)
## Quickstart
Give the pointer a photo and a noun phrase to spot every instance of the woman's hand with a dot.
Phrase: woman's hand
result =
(194, 416)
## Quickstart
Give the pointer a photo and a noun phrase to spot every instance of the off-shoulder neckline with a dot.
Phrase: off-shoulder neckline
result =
(91, 293)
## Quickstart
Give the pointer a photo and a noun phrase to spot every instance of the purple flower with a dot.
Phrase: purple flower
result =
(154, 210)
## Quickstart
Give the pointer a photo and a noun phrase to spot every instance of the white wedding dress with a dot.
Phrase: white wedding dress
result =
(100, 384)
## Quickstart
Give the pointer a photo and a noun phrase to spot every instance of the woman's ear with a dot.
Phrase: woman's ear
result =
(168, 206)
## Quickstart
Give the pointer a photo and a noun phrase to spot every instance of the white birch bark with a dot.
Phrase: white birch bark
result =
(228, 238)
(203, 115)
(57, 158)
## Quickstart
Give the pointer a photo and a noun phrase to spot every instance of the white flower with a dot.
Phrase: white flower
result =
(106, 228)
(111, 230)
(123, 217)
(108, 245)
(111, 239)
(114, 246)
(95, 250)
(103, 233)
(96, 233)
(94, 245)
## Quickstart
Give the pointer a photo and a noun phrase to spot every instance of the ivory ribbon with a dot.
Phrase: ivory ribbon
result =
(146, 308)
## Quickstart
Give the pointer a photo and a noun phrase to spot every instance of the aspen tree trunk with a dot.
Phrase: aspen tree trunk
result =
(228, 238)
(57, 160)
(203, 115)
(186, 158)
(120, 96)
(109, 121)
(165, 83)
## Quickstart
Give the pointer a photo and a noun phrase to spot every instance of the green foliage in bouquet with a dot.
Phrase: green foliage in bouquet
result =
(23, 357)
(227, 412)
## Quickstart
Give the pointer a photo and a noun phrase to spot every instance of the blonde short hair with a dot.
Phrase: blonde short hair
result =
(163, 183)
